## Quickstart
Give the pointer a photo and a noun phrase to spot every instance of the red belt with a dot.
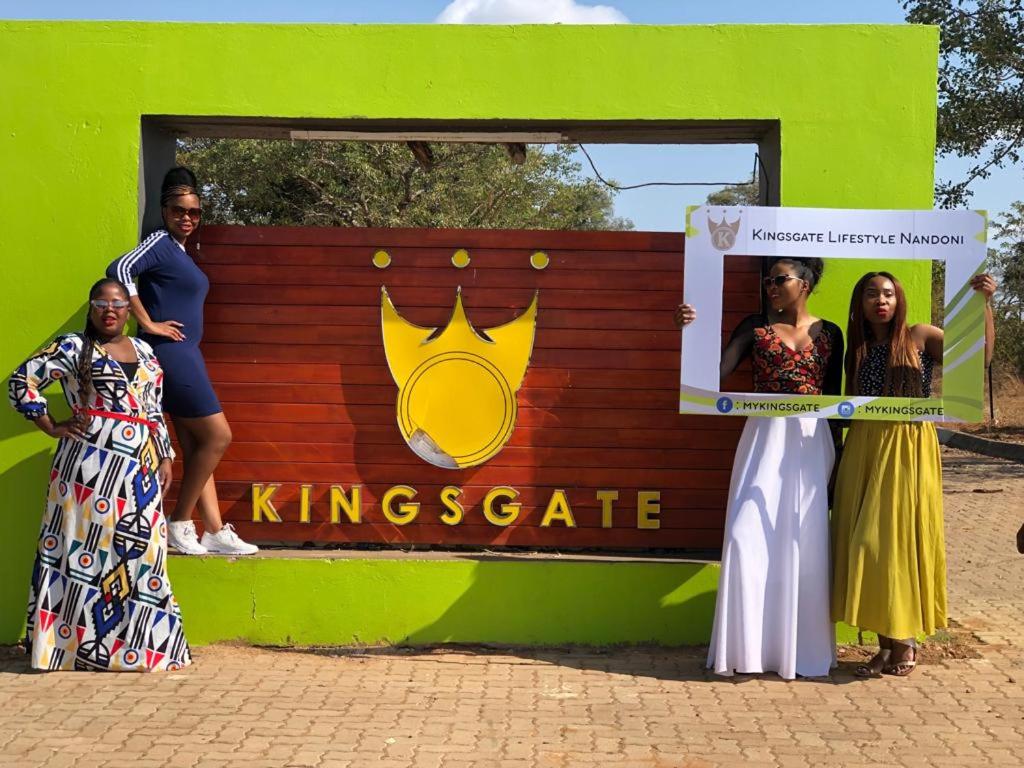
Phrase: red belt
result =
(121, 417)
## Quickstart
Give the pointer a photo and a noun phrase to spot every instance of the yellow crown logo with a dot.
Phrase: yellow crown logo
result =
(457, 389)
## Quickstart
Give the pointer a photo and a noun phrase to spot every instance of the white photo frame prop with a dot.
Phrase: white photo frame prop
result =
(715, 233)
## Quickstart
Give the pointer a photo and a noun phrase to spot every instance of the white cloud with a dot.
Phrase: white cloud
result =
(528, 12)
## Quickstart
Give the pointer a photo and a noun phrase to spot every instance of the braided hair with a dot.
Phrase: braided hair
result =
(91, 335)
(809, 270)
(177, 182)
(180, 181)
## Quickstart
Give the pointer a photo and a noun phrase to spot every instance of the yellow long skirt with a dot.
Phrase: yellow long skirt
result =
(888, 545)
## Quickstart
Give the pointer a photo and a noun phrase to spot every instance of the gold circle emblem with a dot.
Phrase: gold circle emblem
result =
(460, 427)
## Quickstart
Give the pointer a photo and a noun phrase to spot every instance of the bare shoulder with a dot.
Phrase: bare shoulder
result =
(922, 332)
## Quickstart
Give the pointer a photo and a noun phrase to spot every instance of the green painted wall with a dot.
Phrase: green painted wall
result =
(280, 601)
(856, 106)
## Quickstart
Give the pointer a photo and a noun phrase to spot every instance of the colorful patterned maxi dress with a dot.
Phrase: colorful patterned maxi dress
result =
(100, 598)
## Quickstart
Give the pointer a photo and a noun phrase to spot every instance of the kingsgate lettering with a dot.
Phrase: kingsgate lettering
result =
(499, 506)
(787, 237)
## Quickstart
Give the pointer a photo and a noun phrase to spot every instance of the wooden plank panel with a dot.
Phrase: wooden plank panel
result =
(355, 394)
(326, 374)
(396, 453)
(293, 345)
(359, 317)
(325, 435)
(444, 238)
(424, 258)
(405, 297)
(298, 472)
(675, 503)
(312, 413)
(341, 335)
(595, 359)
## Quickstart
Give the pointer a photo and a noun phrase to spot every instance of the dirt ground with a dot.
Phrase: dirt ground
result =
(1009, 421)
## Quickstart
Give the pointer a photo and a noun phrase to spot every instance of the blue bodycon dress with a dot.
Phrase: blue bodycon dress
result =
(172, 287)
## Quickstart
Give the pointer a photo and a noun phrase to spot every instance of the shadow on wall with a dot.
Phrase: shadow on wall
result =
(23, 489)
(574, 602)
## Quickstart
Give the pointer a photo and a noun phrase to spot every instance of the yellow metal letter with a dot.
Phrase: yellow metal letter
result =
(454, 512)
(648, 507)
(351, 505)
(262, 503)
(607, 499)
(508, 512)
(407, 510)
(558, 509)
(305, 492)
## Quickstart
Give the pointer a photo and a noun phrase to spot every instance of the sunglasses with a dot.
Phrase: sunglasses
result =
(103, 303)
(778, 281)
(179, 212)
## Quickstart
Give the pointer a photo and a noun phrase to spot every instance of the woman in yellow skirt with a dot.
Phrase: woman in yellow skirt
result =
(887, 528)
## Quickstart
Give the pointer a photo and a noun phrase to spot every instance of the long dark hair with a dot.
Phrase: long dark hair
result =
(91, 336)
(903, 368)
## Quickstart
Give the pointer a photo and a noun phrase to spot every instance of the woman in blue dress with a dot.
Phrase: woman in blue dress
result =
(168, 304)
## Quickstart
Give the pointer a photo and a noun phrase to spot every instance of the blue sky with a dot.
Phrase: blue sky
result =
(652, 208)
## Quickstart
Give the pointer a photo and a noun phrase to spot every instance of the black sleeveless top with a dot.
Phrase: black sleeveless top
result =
(871, 380)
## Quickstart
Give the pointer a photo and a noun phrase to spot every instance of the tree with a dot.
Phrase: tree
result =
(362, 184)
(737, 194)
(1008, 263)
(981, 85)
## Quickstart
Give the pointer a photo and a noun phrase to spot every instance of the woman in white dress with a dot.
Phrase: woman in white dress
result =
(772, 611)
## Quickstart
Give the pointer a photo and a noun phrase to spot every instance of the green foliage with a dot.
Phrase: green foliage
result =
(361, 184)
(1008, 264)
(981, 85)
(737, 194)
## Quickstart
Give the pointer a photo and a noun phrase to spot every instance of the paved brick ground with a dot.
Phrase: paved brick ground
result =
(256, 708)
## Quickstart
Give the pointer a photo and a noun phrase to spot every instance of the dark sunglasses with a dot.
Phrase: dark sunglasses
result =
(778, 281)
(103, 303)
(179, 212)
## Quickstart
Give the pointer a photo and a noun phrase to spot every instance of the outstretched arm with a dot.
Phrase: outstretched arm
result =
(986, 286)
(739, 345)
(930, 338)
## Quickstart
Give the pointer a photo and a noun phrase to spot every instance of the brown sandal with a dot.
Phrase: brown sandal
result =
(903, 667)
(875, 666)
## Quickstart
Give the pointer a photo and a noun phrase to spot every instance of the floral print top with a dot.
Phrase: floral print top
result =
(814, 370)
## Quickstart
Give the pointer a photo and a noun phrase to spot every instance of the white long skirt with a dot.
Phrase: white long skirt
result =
(772, 612)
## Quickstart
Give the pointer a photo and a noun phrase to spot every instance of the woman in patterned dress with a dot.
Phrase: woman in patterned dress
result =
(100, 598)
(887, 538)
(772, 611)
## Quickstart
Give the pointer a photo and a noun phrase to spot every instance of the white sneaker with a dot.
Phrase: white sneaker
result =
(182, 536)
(226, 542)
